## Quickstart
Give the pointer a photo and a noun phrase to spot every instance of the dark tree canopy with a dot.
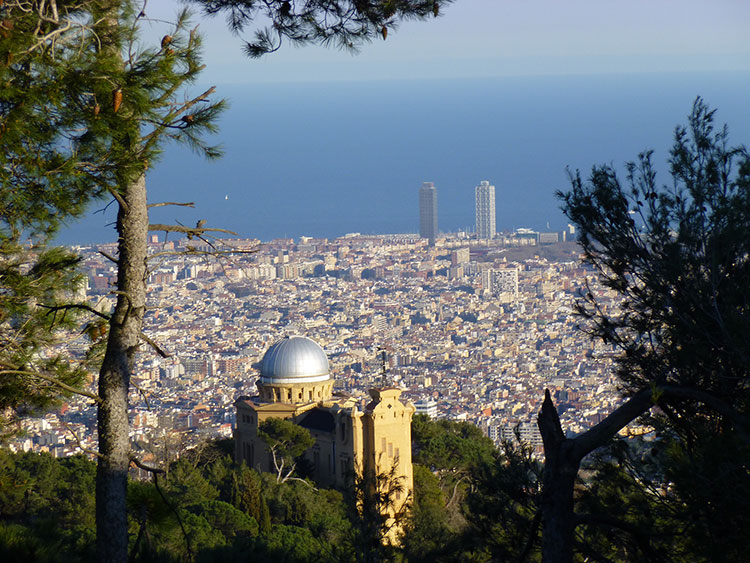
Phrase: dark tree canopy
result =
(678, 255)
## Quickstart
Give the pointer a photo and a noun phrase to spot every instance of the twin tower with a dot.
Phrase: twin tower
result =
(484, 195)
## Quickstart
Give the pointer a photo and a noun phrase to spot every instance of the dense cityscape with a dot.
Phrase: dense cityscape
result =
(471, 329)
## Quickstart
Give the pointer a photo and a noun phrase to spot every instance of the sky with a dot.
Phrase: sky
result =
(482, 38)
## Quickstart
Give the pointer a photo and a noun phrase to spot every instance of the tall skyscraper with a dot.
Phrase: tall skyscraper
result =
(485, 208)
(428, 218)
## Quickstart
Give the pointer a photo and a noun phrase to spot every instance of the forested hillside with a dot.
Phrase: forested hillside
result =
(207, 508)
(473, 502)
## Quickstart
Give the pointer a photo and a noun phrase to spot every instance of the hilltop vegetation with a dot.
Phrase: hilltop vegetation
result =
(230, 512)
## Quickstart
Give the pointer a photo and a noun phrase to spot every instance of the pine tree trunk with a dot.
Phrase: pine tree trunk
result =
(562, 459)
(560, 471)
(114, 377)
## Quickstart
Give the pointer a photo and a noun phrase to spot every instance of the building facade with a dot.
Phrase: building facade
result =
(371, 439)
(501, 283)
(485, 210)
(428, 214)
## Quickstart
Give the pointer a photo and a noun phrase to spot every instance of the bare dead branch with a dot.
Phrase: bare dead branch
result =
(155, 346)
(140, 465)
(171, 506)
(195, 252)
(108, 256)
(305, 481)
(118, 197)
(193, 231)
(165, 203)
(79, 443)
(142, 393)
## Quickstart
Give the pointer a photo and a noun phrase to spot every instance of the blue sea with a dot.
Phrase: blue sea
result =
(326, 159)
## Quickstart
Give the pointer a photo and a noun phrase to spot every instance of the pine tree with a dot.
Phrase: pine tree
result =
(678, 257)
(88, 110)
(42, 182)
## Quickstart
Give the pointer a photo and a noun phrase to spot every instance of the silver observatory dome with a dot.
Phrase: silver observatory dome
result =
(294, 359)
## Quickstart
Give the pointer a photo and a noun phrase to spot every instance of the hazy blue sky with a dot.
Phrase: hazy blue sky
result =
(476, 38)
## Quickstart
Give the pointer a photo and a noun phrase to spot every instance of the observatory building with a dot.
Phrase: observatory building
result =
(295, 384)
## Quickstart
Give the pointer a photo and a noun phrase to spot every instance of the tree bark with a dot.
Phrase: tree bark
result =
(563, 458)
(114, 376)
(560, 471)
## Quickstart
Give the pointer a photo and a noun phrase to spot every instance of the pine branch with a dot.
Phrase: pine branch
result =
(195, 252)
(108, 256)
(142, 393)
(52, 380)
(54, 308)
(140, 465)
(155, 473)
(600, 434)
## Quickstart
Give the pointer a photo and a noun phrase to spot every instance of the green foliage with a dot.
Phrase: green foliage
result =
(31, 375)
(84, 109)
(288, 544)
(378, 505)
(246, 495)
(473, 502)
(429, 530)
(449, 445)
(503, 506)
(47, 511)
(296, 503)
(41, 177)
(227, 519)
(453, 451)
(709, 480)
(286, 441)
(46, 507)
(645, 526)
(188, 485)
(65, 140)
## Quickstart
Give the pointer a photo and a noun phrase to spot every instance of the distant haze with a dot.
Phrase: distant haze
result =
(324, 159)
